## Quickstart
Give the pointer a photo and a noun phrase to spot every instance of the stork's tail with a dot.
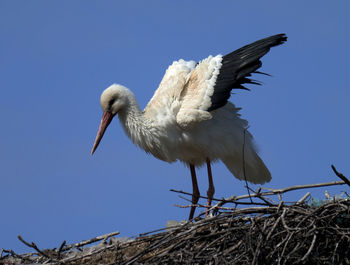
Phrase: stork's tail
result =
(254, 169)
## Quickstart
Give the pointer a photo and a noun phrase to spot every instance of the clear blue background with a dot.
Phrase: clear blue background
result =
(56, 57)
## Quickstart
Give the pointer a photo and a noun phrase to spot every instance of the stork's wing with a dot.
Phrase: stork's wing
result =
(166, 99)
(210, 83)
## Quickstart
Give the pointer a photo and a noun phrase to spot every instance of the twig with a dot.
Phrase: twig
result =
(70, 259)
(335, 250)
(190, 194)
(310, 249)
(273, 227)
(182, 197)
(302, 199)
(267, 203)
(286, 244)
(60, 249)
(341, 176)
(34, 246)
(13, 254)
(162, 229)
(233, 247)
(90, 241)
(233, 199)
(298, 187)
(191, 205)
(284, 222)
(261, 197)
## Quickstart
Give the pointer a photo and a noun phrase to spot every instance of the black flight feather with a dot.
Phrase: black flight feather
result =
(238, 65)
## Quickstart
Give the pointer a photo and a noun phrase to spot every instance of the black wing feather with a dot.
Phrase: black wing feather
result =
(237, 66)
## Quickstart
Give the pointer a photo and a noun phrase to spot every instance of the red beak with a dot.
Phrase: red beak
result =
(105, 121)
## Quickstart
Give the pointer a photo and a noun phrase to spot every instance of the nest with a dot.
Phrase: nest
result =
(313, 232)
(297, 234)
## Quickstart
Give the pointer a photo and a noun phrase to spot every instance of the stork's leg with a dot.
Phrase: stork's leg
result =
(195, 193)
(211, 189)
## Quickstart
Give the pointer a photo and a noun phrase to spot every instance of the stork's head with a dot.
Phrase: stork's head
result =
(113, 99)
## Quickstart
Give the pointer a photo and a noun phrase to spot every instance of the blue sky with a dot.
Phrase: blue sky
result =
(56, 57)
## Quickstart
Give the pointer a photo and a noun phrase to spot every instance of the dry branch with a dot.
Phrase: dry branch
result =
(34, 246)
(234, 199)
(90, 241)
(341, 176)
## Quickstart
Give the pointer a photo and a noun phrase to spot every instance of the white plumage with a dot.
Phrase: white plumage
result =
(189, 118)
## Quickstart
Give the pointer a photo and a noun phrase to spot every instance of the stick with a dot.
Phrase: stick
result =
(341, 176)
(92, 240)
(34, 246)
(60, 249)
(298, 187)
(10, 251)
(233, 199)
(219, 200)
(190, 194)
(304, 197)
(310, 248)
(71, 259)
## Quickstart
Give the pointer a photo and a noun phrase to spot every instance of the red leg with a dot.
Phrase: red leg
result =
(211, 189)
(195, 193)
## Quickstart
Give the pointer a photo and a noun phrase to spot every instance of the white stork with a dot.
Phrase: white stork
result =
(190, 119)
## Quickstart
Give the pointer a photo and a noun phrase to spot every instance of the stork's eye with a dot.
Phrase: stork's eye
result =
(111, 102)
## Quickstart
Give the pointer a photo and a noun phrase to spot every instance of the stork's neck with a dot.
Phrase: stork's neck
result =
(135, 124)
